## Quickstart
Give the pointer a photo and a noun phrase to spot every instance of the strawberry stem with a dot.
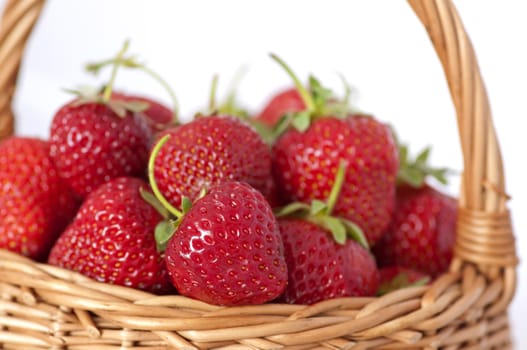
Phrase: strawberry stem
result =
(152, 179)
(131, 62)
(306, 96)
(116, 64)
(229, 105)
(212, 94)
(346, 100)
(170, 91)
(337, 186)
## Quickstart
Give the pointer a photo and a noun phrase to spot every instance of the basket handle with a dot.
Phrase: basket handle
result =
(485, 235)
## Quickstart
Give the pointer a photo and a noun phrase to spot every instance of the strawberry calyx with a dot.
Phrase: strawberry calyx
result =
(165, 229)
(320, 213)
(414, 172)
(399, 281)
(131, 62)
(154, 202)
(120, 108)
(86, 95)
(319, 101)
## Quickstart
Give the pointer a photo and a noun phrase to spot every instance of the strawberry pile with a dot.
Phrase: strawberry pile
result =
(303, 201)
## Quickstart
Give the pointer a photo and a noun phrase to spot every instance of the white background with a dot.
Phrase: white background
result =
(379, 45)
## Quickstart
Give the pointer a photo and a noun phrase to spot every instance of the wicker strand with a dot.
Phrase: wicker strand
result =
(14, 32)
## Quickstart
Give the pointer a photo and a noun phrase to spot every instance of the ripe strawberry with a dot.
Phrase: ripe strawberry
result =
(271, 193)
(305, 164)
(158, 116)
(208, 151)
(322, 263)
(111, 239)
(284, 102)
(227, 249)
(422, 232)
(35, 205)
(305, 160)
(319, 268)
(91, 144)
(396, 277)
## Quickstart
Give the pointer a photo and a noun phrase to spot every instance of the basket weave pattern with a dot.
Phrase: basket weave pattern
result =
(43, 307)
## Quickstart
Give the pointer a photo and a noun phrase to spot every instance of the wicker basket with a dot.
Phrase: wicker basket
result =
(44, 307)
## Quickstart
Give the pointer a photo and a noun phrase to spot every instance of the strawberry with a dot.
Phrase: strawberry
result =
(305, 160)
(111, 239)
(284, 102)
(319, 268)
(422, 232)
(271, 193)
(208, 151)
(322, 263)
(95, 139)
(35, 204)
(158, 116)
(396, 277)
(227, 249)
(92, 144)
(305, 165)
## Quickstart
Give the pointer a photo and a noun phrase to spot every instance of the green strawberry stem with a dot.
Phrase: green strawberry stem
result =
(344, 108)
(178, 214)
(306, 96)
(172, 217)
(337, 187)
(230, 101)
(169, 90)
(131, 62)
(319, 102)
(212, 94)
(346, 100)
(228, 106)
(107, 93)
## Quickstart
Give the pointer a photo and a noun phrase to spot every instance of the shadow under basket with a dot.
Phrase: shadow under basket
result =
(43, 307)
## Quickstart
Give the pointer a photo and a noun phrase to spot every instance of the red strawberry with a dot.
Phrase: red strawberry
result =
(227, 249)
(112, 239)
(158, 116)
(306, 158)
(271, 193)
(35, 205)
(305, 164)
(422, 232)
(284, 102)
(91, 144)
(319, 268)
(396, 277)
(207, 151)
